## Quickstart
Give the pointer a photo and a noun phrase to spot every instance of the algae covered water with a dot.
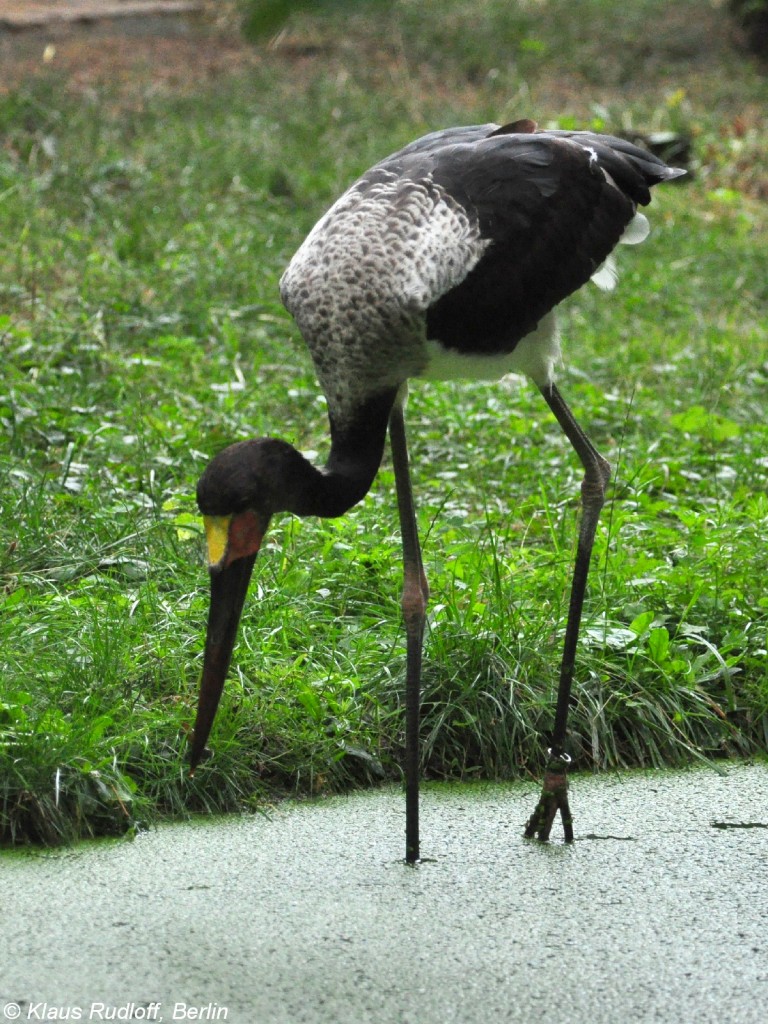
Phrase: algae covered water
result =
(658, 912)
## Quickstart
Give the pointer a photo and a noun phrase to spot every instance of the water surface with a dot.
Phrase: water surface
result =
(658, 912)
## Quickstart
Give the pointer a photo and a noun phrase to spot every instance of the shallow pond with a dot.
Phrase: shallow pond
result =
(658, 912)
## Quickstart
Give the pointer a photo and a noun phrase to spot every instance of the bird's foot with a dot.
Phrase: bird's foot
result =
(554, 798)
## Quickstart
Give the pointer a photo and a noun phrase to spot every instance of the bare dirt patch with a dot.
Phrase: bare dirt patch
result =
(168, 48)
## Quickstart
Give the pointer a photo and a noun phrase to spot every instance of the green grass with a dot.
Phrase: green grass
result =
(144, 232)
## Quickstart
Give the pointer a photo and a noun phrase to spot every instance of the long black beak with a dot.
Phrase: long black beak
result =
(228, 589)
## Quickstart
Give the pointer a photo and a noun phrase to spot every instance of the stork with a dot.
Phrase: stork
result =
(445, 260)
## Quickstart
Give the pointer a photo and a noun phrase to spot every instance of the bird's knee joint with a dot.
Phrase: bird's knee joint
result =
(424, 587)
(414, 602)
(595, 482)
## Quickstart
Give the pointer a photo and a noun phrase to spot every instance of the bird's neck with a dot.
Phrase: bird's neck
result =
(357, 447)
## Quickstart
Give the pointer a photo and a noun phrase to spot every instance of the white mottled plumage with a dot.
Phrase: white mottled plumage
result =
(361, 282)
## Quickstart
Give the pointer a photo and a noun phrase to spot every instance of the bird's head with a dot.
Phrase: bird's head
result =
(240, 490)
(234, 497)
(237, 495)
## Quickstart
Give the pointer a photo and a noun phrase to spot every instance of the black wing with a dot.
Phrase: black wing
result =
(550, 206)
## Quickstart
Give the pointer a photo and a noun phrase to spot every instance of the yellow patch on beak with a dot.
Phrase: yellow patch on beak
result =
(217, 537)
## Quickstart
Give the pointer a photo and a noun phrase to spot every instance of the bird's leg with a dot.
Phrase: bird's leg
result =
(414, 603)
(597, 472)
